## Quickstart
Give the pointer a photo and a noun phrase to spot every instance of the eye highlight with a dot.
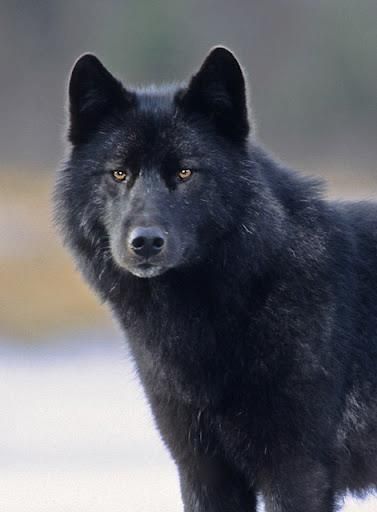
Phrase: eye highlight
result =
(184, 174)
(119, 175)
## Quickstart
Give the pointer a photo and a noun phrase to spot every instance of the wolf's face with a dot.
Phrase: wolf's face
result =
(152, 170)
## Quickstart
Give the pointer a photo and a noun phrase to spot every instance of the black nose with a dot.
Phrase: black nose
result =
(146, 242)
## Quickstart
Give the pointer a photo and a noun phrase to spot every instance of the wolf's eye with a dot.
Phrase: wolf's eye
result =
(185, 174)
(119, 175)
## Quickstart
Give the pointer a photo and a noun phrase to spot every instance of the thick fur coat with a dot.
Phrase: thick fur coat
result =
(249, 301)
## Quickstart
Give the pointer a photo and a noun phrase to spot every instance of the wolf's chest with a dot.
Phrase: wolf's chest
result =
(188, 356)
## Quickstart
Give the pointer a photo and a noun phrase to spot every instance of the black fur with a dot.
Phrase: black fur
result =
(254, 329)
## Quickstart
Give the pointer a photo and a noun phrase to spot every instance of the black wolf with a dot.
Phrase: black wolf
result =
(249, 300)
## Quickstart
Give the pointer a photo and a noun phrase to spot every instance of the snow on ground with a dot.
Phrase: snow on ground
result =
(76, 434)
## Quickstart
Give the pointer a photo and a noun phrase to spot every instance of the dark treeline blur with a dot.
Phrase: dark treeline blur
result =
(312, 67)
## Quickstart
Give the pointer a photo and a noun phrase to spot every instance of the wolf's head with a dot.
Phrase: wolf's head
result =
(155, 175)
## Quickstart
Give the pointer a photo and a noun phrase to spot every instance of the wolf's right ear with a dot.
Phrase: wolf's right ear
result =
(93, 94)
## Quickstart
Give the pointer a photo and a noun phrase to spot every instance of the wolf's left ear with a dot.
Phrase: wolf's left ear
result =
(93, 94)
(218, 91)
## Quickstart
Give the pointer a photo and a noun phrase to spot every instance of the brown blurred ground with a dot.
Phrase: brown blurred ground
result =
(41, 290)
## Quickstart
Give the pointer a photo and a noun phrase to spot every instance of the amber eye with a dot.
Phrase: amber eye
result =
(185, 174)
(119, 175)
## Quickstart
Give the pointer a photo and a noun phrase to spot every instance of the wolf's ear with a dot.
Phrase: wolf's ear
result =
(93, 94)
(218, 91)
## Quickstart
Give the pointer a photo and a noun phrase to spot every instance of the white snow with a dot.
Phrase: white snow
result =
(76, 435)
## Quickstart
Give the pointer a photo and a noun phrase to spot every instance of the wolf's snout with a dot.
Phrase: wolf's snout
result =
(146, 241)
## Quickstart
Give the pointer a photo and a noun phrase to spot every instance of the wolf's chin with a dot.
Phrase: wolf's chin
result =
(147, 272)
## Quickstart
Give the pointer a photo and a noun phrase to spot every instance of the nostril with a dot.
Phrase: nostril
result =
(158, 242)
(138, 242)
(146, 242)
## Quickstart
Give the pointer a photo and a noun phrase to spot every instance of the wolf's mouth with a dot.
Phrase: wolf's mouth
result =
(147, 270)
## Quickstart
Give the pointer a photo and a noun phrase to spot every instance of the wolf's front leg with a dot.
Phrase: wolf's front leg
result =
(300, 486)
(209, 483)
(211, 486)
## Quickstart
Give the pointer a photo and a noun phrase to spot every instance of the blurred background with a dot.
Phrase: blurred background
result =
(75, 433)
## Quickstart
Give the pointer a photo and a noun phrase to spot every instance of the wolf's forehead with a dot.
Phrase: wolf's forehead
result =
(154, 130)
(156, 99)
(152, 134)
(141, 133)
(145, 139)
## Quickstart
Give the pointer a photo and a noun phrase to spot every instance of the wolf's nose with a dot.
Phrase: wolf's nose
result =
(146, 242)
